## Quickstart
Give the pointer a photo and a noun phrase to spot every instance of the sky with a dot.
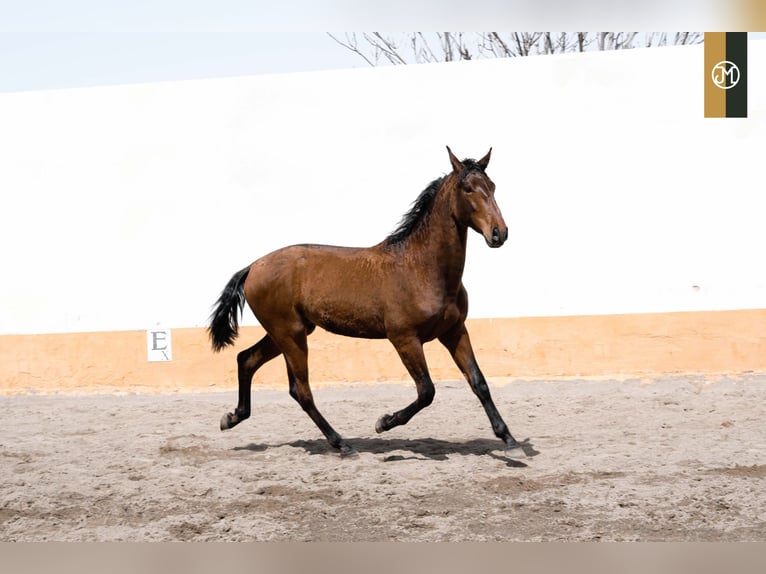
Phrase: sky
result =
(45, 60)
(48, 44)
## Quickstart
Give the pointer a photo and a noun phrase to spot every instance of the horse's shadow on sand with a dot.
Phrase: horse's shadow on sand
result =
(420, 449)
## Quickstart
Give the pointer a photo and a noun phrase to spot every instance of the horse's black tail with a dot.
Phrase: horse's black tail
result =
(224, 320)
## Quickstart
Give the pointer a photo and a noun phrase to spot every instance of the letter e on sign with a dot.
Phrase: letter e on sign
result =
(158, 345)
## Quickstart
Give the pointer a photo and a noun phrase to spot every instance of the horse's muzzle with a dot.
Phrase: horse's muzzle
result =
(497, 238)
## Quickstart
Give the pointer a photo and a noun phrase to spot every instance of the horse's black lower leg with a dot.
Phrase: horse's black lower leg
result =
(301, 392)
(459, 346)
(296, 358)
(411, 353)
(481, 390)
(426, 394)
(248, 361)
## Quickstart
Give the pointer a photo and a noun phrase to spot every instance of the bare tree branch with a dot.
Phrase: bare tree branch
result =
(387, 46)
(496, 39)
(451, 46)
(351, 44)
(548, 43)
(446, 46)
(426, 51)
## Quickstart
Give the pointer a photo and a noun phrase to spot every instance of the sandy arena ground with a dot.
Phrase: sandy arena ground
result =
(674, 459)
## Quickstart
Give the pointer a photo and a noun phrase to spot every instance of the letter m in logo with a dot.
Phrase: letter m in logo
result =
(725, 74)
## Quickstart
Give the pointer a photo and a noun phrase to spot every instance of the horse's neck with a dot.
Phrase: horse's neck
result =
(442, 247)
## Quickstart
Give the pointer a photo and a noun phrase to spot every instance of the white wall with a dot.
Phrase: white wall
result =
(131, 206)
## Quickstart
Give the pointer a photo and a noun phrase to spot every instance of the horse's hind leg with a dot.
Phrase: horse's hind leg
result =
(295, 350)
(249, 361)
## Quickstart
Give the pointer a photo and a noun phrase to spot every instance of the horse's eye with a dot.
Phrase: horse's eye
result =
(467, 189)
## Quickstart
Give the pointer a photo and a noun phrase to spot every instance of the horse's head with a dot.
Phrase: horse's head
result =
(473, 199)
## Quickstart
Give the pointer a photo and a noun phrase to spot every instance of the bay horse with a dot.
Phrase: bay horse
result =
(407, 288)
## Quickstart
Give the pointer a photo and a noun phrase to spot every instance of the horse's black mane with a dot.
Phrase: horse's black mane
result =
(422, 205)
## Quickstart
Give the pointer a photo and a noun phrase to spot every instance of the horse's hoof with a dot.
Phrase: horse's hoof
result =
(348, 452)
(380, 426)
(515, 451)
(226, 421)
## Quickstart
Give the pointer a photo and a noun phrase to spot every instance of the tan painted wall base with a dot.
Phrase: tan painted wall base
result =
(586, 346)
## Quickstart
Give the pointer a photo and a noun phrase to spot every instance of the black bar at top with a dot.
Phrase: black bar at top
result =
(736, 97)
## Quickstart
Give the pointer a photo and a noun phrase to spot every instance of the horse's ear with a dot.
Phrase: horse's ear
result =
(456, 165)
(484, 162)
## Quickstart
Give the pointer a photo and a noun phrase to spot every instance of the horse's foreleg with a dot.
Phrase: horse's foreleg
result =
(411, 353)
(249, 361)
(458, 344)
